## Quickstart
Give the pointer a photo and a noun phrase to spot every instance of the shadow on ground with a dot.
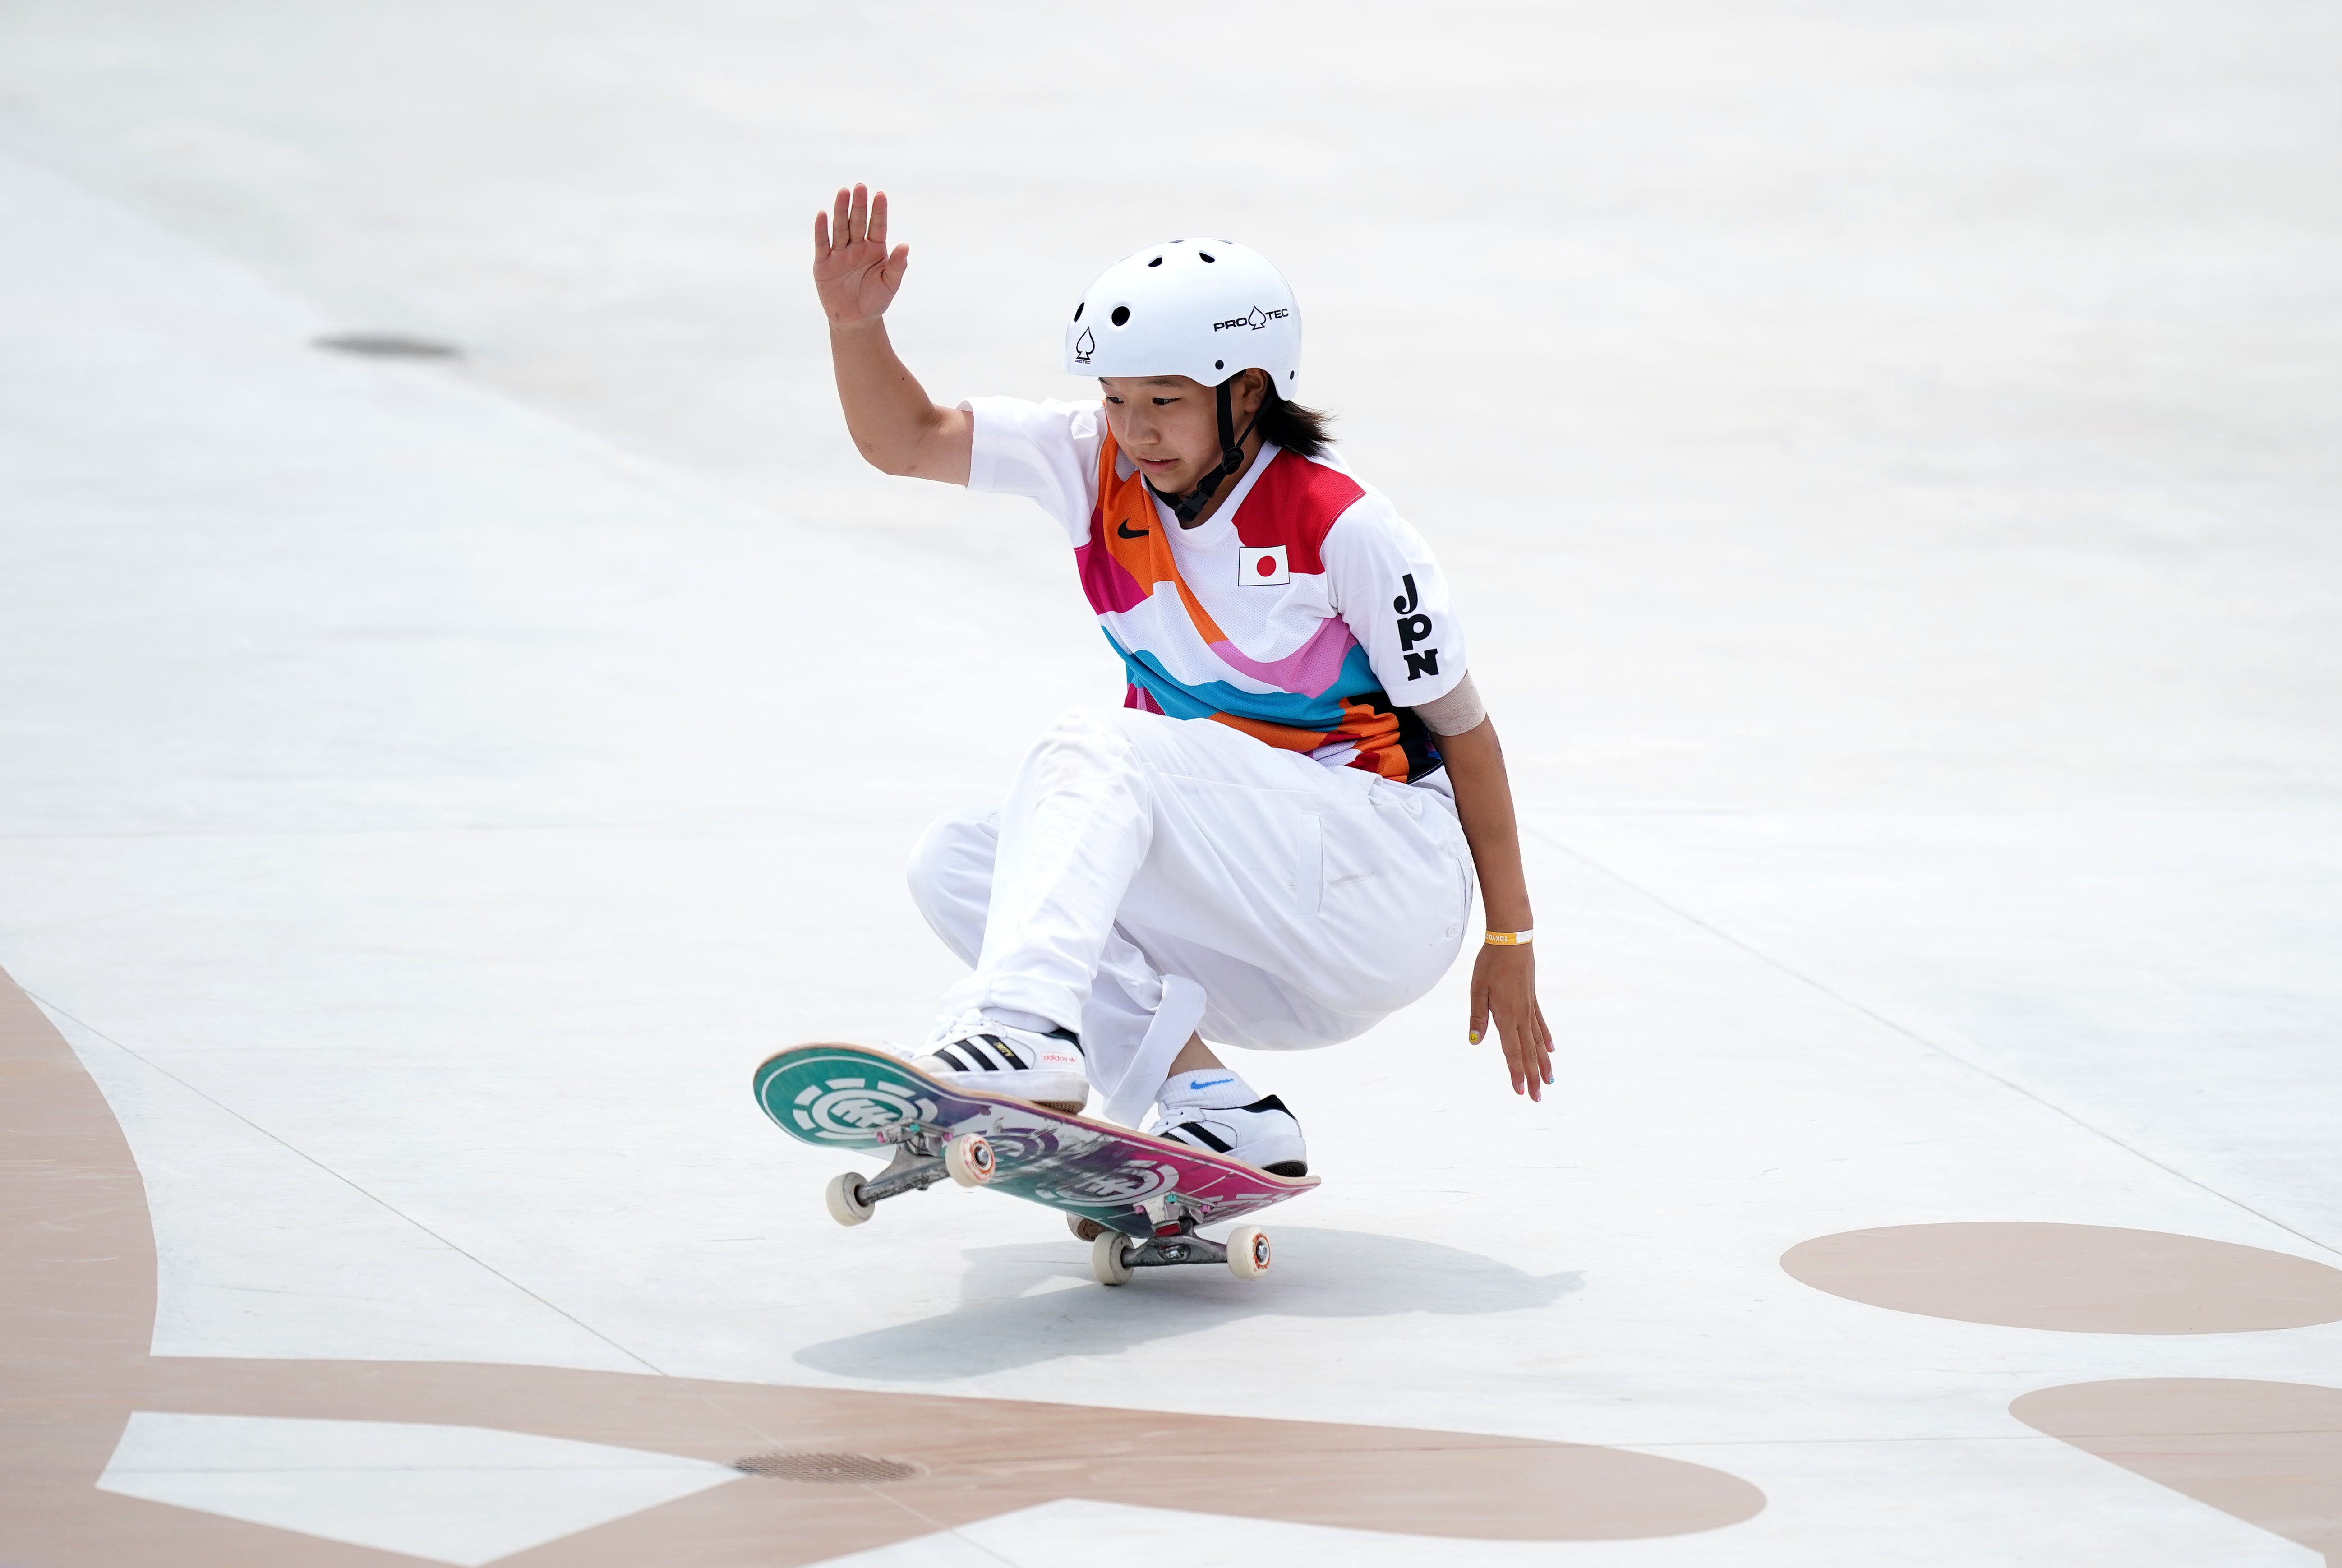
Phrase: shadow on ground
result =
(77, 1292)
(1015, 1311)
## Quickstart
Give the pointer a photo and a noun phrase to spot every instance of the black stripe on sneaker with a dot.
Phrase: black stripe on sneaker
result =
(1068, 1036)
(944, 1054)
(1266, 1103)
(1004, 1049)
(983, 1060)
(1205, 1136)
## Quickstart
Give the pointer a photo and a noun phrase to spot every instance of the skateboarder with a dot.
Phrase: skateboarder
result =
(1272, 843)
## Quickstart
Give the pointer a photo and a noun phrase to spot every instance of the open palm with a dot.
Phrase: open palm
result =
(852, 268)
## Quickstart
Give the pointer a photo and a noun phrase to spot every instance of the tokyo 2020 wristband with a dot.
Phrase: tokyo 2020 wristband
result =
(1509, 938)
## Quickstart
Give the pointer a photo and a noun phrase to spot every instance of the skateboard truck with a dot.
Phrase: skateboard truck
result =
(921, 1159)
(1115, 1255)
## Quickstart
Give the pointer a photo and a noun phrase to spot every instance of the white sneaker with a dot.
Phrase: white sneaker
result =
(1003, 1059)
(1218, 1111)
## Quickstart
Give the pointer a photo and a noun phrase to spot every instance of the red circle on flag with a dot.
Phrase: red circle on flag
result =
(1267, 567)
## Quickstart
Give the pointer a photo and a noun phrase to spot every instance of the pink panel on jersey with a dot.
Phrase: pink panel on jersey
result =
(1309, 670)
(1106, 580)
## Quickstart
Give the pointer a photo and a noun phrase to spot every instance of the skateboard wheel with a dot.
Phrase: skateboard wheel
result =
(968, 1158)
(844, 1197)
(1110, 1258)
(1247, 1251)
(1085, 1229)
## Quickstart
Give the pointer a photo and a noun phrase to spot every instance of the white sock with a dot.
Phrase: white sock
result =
(1208, 1089)
(1032, 1022)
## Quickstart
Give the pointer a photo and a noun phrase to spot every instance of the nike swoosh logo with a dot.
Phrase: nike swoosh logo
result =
(1127, 531)
(1213, 1084)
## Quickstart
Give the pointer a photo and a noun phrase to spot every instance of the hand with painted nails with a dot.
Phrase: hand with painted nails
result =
(1504, 989)
(855, 274)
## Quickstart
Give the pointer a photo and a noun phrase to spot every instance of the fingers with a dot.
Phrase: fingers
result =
(896, 265)
(841, 224)
(1504, 994)
(1527, 1041)
(1479, 1030)
(1537, 1060)
(877, 218)
(820, 237)
(858, 216)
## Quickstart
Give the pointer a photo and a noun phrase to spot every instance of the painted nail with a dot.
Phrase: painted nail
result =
(1475, 1037)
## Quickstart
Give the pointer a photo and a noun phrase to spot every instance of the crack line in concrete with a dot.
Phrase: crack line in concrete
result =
(371, 1197)
(1555, 841)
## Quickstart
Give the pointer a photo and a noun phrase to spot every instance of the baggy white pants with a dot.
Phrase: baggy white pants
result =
(1149, 876)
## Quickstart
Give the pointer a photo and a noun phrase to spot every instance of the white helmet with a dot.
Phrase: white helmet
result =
(1199, 308)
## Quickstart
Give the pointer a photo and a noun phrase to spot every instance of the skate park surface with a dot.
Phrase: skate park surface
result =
(1888, 458)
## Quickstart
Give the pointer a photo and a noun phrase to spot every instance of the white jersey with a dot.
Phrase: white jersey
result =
(1304, 611)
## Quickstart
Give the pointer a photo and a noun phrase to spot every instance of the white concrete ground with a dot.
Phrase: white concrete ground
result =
(1889, 455)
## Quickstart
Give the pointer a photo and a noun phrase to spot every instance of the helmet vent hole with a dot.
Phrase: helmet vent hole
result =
(1079, 308)
(1156, 262)
(1208, 255)
(1121, 314)
(1219, 364)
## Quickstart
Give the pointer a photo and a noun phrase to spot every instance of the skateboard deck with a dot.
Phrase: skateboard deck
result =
(1143, 1197)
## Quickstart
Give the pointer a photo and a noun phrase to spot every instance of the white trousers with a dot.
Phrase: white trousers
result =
(1148, 877)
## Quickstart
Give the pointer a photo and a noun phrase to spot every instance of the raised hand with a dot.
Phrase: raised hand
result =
(853, 271)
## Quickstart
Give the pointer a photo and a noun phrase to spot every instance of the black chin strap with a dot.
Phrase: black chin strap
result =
(1186, 507)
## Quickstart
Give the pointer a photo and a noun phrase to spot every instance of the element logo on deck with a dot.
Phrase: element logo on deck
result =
(854, 1108)
(1133, 1182)
(1015, 1145)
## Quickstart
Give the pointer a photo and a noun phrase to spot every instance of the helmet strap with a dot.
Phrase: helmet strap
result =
(1186, 507)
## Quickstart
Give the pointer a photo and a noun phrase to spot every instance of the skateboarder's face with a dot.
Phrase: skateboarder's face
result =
(1169, 426)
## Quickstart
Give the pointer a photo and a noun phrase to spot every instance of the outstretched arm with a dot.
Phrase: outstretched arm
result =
(894, 422)
(1503, 979)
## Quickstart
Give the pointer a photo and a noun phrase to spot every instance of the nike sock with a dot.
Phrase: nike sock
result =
(1206, 1089)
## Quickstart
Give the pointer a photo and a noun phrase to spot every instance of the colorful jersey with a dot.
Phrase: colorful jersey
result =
(1304, 612)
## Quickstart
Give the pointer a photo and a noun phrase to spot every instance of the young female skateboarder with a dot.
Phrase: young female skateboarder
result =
(1271, 843)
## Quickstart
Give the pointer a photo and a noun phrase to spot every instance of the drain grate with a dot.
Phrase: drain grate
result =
(389, 345)
(827, 1469)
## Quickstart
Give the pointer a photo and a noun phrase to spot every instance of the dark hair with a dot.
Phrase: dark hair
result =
(1301, 430)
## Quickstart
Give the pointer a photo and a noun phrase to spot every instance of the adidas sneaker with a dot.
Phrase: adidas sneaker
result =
(1005, 1059)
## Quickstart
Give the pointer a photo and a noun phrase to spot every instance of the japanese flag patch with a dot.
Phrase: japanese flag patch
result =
(1262, 568)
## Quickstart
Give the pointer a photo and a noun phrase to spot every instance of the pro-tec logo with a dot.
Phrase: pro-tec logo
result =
(1262, 568)
(1258, 319)
(1084, 346)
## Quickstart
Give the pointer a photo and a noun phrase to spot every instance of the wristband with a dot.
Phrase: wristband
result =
(1509, 938)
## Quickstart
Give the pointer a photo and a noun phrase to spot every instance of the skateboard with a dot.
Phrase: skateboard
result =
(1138, 1200)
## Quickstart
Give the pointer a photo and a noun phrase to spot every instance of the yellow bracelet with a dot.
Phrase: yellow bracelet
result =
(1509, 938)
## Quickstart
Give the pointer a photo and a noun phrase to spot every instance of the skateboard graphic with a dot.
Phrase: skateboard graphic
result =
(1138, 1200)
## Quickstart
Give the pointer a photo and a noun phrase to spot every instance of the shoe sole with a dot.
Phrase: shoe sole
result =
(1052, 1091)
(1293, 1164)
